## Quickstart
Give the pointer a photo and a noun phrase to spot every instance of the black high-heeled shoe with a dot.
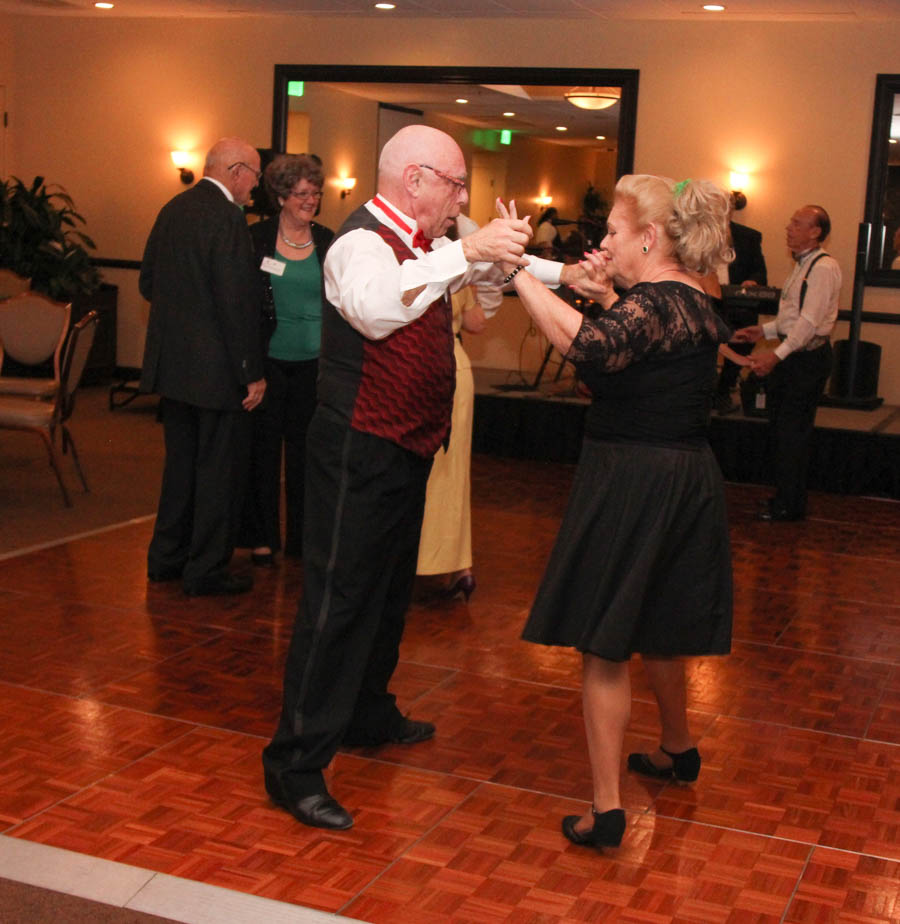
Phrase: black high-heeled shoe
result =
(685, 766)
(463, 586)
(607, 830)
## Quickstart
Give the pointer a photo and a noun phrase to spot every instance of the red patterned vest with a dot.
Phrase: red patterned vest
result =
(399, 388)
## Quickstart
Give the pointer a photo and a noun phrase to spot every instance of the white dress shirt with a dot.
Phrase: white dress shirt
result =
(364, 281)
(810, 327)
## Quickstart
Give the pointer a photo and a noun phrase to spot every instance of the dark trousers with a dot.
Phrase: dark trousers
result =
(202, 490)
(365, 499)
(279, 424)
(793, 390)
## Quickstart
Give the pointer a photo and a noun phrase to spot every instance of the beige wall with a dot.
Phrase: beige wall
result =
(96, 105)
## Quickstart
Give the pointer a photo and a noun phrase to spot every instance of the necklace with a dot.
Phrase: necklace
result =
(293, 244)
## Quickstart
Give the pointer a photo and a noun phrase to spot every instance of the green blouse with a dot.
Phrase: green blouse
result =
(298, 307)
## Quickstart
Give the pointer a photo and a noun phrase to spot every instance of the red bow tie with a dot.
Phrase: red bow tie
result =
(419, 240)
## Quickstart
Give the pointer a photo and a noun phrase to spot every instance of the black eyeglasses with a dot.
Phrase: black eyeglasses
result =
(240, 163)
(458, 182)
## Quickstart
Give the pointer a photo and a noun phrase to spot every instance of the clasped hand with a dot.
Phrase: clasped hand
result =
(502, 241)
(588, 278)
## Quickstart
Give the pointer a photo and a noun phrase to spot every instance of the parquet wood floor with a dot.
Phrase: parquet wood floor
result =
(133, 717)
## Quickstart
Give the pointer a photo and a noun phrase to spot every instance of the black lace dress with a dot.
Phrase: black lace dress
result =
(642, 561)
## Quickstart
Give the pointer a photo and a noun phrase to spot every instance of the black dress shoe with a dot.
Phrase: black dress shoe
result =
(607, 830)
(158, 575)
(221, 584)
(411, 732)
(685, 766)
(772, 514)
(414, 732)
(317, 811)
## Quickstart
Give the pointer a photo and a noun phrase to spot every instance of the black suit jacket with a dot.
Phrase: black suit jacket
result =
(203, 343)
(749, 262)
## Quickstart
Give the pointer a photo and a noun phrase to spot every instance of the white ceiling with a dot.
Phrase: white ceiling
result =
(759, 10)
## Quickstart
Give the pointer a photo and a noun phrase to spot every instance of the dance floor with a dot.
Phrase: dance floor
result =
(132, 720)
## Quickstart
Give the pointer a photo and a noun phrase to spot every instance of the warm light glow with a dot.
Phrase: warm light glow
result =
(601, 137)
(561, 128)
(594, 97)
(739, 180)
(892, 140)
(544, 201)
(508, 114)
(104, 6)
(345, 184)
(181, 158)
(461, 100)
(385, 6)
(713, 7)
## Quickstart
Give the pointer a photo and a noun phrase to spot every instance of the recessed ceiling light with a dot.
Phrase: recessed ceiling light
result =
(713, 7)
(561, 128)
(385, 6)
(508, 114)
(461, 100)
(104, 6)
(601, 137)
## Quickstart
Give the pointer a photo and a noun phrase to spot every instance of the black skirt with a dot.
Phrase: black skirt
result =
(642, 562)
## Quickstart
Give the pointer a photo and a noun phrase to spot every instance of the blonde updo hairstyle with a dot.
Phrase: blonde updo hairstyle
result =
(693, 217)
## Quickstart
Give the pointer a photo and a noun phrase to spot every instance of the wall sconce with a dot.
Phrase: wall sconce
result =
(738, 183)
(347, 184)
(181, 159)
(544, 201)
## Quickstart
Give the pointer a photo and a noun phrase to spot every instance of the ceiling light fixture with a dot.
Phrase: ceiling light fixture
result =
(461, 100)
(600, 137)
(594, 97)
(713, 7)
(561, 128)
(385, 6)
(509, 115)
(104, 6)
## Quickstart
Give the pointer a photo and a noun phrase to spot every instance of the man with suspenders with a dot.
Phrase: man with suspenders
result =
(799, 366)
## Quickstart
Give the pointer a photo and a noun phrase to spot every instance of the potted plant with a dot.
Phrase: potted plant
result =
(40, 239)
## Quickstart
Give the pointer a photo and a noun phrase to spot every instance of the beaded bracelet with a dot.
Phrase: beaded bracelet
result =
(510, 276)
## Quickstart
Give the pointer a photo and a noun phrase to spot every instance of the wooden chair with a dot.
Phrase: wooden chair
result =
(33, 328)
(45, 417)
(12, 283)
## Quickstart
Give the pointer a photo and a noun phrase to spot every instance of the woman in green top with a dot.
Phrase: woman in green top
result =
(290, 250)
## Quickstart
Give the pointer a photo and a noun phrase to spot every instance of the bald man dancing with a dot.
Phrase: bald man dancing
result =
(386, 379)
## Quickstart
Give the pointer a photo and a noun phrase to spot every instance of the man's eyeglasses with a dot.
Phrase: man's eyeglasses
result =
(456, 181)
(310, 195)
(240, 163)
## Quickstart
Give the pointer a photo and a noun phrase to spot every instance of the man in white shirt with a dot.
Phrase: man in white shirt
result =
(385, 392)
(799, 366)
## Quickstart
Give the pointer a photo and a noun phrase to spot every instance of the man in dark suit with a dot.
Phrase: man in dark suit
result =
(747, 269)
(204, 358)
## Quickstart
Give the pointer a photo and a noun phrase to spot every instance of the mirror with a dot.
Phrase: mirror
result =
(347, 112)
(883, 190)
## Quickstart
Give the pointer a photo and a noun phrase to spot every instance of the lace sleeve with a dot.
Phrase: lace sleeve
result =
(631, 328)
(651, 318)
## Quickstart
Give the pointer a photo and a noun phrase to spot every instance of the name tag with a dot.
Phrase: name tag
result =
(275, 267)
